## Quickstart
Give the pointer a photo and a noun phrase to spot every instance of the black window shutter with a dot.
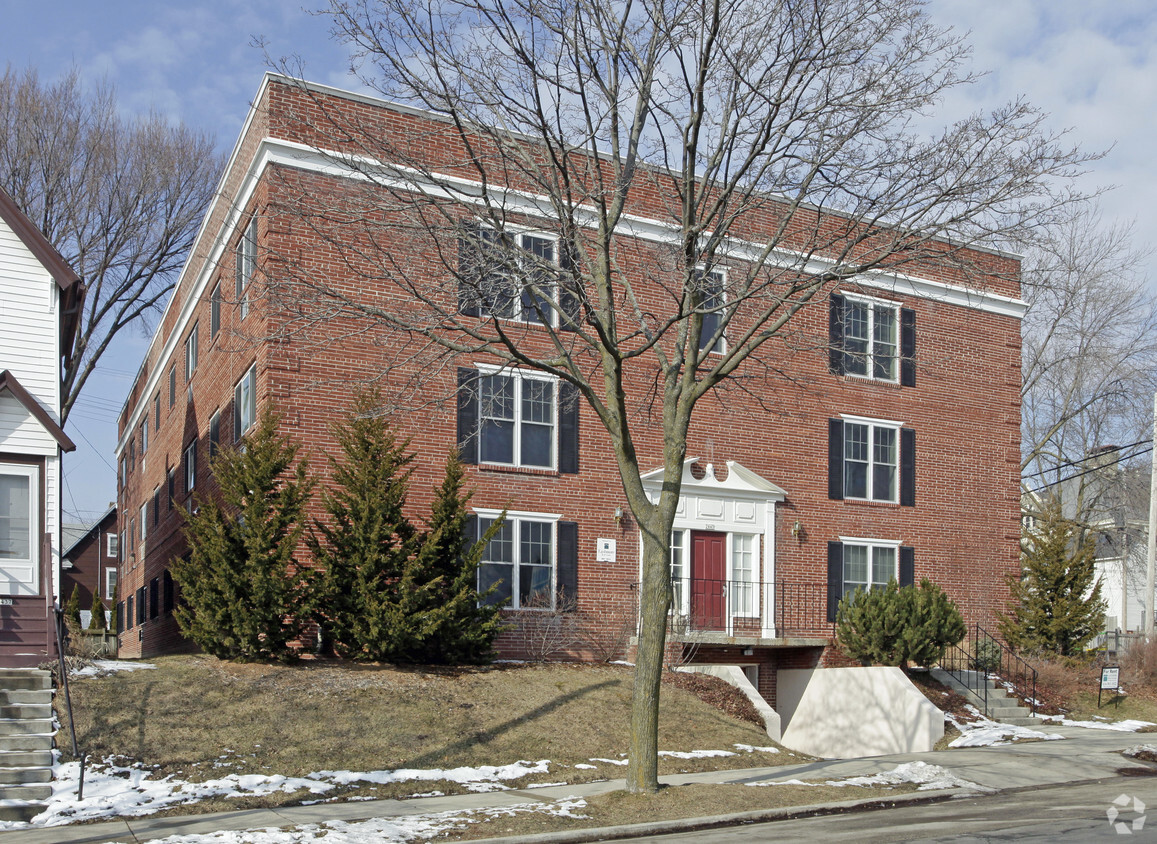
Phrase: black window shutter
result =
(835, 577)
(121, 616)
(129, 621)
(836, 459)
(568, 299)
(836, 334)
(141, 597)
(469, 270)
(907, 566)
(568, 421)
(907, 467)
(567, 577)
(907, 347)
(468, 415)
(154, 598)
(168, 585)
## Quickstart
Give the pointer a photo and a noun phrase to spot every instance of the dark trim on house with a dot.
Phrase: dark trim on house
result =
(8, 382)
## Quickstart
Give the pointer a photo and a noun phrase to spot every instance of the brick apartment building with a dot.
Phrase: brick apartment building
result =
(889, 449)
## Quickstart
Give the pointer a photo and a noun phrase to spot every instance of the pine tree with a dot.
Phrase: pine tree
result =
(96, 621)
(898, 625)
(72, 608)
(1056, 604)
(361, 552)
(459, 624)
(243, 598)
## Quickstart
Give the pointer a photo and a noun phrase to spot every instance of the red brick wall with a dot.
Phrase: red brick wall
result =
(964, 409)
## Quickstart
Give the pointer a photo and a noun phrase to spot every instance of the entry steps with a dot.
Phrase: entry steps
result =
(1002, 707)
(26, 738)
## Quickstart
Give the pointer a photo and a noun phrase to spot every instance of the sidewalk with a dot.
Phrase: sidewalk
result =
(1084, 755)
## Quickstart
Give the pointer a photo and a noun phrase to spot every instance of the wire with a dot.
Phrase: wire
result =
(1097, 468)
(1086, 458)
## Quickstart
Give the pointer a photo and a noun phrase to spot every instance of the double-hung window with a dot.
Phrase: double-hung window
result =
(172, 385)
(508, 275)
(157, 411)
(191, 354)
(246, 264)
(143, 523)
(710, 300)
(215, 312)
(516, 419)
(245, 403)
(111, 545)
(520, 559)
(191, 466)
(144, 436)
(873, 338)
(866, 564)
(110, 583)
(871, 460)
(19, 529)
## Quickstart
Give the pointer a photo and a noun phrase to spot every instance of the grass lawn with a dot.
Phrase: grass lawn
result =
(199, 718)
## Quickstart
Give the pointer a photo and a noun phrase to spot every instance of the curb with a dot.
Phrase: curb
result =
(640, 830)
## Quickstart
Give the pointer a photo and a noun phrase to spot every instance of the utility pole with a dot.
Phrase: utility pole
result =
(1151, 568)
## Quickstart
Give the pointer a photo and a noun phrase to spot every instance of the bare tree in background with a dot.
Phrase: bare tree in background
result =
(1089, 356)
(742, 117)
(121, 199)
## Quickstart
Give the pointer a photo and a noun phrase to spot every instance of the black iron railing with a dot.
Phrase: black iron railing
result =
(68, 698)
(748, 608)
(981, 658)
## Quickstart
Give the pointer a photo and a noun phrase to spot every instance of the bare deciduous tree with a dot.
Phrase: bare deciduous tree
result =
(1090, 352)
(739, 120)
(121, 199)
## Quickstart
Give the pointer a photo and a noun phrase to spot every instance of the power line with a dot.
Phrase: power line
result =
(1086, 458)
(1096, 468)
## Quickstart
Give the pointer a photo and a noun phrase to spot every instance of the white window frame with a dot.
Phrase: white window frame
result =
(872, 545)
(246, 258)
(110, 582)
(112, 545)
(191, 344)
(742, 597)
(241, 426)
(872, 425)
(143, 515)
(31, 562)
(515, 520)
(519, 377)
(742, 600)
(190, 458)
(874, 306)
(520, 311)
(716, 313)
(144, 436)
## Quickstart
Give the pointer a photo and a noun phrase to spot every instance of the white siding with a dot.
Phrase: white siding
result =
(29, 321)
(20, 431)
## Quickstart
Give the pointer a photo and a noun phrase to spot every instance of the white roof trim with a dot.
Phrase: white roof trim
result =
(740, 482)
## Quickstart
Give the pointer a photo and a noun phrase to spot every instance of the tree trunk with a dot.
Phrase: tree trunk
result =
(654, 601)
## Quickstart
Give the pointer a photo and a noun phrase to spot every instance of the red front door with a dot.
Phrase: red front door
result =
(708, 572)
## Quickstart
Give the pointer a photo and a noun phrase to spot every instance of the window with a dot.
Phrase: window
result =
(679, 574)
(144, 436)
(167, 581)
(508, 276)
(215, 312)
(191, 354)
(710, 295)
(19, 531)
(111, 546)
(156, 505)
(519, 558)
(144, 522)
(132, 531)
(173, 385)
(172, 481)
(871, 460)
(132, 454)
(872, 338)
(866, 564)
(142, 596)
(245, 403)
(154, 598)
(110, 583)
(214, 434)
(124, 473)
(191, 466)
(157, 412)
(246, 263)
(516, 420)
(125, 541)
(743, 567)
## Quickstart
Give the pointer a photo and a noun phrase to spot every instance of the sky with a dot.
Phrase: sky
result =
(1091, 66)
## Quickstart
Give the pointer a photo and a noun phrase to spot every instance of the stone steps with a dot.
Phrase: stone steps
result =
(1001, 706)
(26, 741)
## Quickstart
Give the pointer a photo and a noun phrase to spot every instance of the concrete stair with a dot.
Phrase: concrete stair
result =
(1002, 706)
(26, 739)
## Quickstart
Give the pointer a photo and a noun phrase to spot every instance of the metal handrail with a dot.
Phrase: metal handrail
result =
(68, 698)
(980, 657)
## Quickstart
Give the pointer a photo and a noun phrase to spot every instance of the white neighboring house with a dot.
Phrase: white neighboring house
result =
(40, 301)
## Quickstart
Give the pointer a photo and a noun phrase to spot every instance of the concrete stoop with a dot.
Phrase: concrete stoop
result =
(1001, 706)
(26, 738)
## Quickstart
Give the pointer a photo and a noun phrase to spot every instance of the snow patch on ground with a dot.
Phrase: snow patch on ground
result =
(104, 667)
(751, 748)
(695, 754)
(380, 830)
(926, 777)
(1127, 726)
(984, 732)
